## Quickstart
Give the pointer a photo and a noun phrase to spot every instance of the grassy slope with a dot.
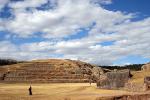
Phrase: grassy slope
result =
(138, 76)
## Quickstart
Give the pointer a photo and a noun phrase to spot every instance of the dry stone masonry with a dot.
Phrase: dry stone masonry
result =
(51, 71)
(113, 80)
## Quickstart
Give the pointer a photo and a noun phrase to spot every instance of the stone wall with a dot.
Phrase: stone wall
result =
(113, 80)
(54, 71)
(2, 75)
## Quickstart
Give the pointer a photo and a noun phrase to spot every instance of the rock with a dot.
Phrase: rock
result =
(146, 67)
(114, 80)
(147, 80)
(96, 72)
(134, 87)
(147, 83)
(2, 76)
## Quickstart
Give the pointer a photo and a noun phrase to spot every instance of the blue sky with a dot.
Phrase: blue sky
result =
(130, 6)
(104, 32)
(142, 8)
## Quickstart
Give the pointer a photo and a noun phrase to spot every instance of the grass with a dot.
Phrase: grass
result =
(60, 91)
(138, 76)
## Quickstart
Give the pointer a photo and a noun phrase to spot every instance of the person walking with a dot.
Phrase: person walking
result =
(30, 90)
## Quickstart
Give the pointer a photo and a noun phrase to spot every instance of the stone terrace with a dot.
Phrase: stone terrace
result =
(52, 71)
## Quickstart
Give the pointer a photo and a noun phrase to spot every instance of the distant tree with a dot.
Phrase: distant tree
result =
(7, 61)
(134, 67)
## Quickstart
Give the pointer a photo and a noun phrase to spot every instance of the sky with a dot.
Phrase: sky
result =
(102, 32)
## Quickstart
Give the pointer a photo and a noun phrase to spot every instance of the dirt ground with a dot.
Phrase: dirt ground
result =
(59, 91)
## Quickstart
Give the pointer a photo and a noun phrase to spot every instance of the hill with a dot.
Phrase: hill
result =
(50, 71)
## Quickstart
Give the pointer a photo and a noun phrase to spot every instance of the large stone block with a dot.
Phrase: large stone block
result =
(113, 80)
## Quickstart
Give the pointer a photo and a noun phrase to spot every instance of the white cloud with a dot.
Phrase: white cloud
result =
(27, 3)
(41, 46)
(1, 24)
(67, 17)
(102, 1)
(3, 3)
(7, 46)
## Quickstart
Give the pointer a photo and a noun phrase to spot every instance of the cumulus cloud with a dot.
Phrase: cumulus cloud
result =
(27, 3)
(7, 46)
(3, 3)
(1, 24)
(66, 19)
(102, 1)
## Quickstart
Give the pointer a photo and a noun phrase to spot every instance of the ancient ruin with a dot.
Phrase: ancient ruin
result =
(113, 80)
(49, 71)
(135, 87)
(140, 80)
(143, 82)
(71, 71)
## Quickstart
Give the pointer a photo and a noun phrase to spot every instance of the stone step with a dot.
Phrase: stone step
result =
(50, 77)
(35, 74)
(47, 80)
(42, 73)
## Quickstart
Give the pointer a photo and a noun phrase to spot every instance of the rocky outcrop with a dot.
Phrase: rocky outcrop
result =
(113, 80)
(136, 87)
(96, 72)
(49, 71)
(147, 80)
(146, 67)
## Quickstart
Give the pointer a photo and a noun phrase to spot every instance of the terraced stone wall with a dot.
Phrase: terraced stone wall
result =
(2, 76)
(44, 72)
